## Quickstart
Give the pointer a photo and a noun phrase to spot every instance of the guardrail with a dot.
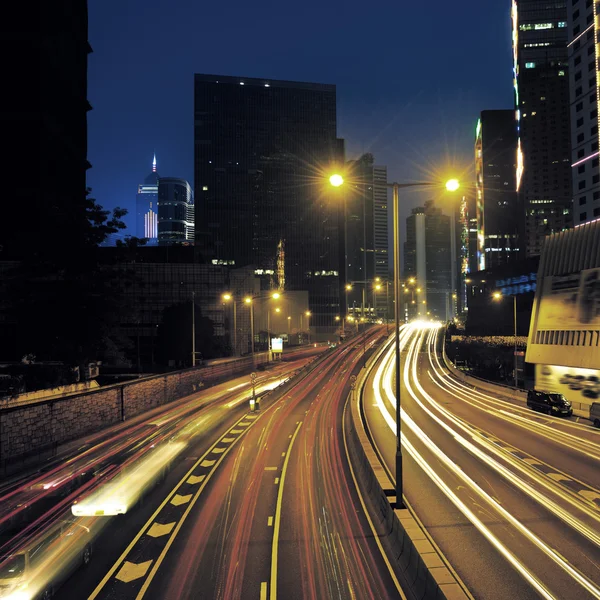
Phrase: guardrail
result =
(425, 572)
(580, 409)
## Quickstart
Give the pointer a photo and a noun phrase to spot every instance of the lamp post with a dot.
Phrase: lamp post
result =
(227, 298)
(248, 300)
(452, 185)
(308, 314)
(498, 297)
(193, 329)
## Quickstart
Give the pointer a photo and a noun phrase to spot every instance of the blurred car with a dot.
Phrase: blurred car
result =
(551, 404)
(575, 382)
(591, 387)
(595, 413)
(44, 560)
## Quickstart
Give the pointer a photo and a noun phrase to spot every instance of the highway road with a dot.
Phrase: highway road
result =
(268, 510)
(117, 470)
(511, 497)
(205, 499)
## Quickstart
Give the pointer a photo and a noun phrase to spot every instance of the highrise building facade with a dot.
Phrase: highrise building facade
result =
(43, 119)
(541, 82)
(427, 259)
(263, 150)
(146, 207)
(497, 206)
(366, 208)
(175, 212)
(583, 81)
(380, 222)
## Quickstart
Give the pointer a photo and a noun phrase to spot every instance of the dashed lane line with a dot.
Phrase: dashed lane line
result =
(126, 571)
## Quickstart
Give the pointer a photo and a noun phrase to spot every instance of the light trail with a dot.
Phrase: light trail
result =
(410, 368)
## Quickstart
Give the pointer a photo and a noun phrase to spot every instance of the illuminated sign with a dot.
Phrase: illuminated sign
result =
(277, 345)
(521, 284)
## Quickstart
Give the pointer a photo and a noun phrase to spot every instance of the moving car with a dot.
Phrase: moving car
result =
(551, 404)
(41, 562)
(595, 413)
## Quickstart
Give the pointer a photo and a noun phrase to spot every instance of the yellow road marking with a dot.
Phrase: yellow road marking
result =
(207, 463)
(236, 431)
(275, 548)
(263, 590)
(132, 571)
(282, 454)
(218, 450)
(194, 479)
(178, 499)
(276, 480)
(270, 522)
(158, 530)
(270, 468)
(227, 440)
(143, 530)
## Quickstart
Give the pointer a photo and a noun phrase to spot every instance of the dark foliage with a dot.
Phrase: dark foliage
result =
(175, 336)
(62, 301)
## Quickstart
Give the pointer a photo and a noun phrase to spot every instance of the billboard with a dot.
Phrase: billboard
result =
(277, 345)
(571, 302)
(576, 384)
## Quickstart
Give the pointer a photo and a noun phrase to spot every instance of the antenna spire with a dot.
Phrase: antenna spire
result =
(154, 163)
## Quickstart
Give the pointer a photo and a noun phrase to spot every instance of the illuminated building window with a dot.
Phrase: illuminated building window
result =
(530, 65)
(561, 73)
(562, 23)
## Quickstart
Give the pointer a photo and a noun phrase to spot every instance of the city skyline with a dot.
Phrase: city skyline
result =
(394, 114)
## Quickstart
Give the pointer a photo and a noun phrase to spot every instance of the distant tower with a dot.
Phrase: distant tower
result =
(281, 265)
(147, 207)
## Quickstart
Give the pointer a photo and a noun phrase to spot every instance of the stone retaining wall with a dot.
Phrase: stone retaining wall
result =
(39, 427)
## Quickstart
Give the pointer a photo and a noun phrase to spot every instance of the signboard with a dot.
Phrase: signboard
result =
(517, 285)
(577, 385)
(571, 302)
(277, 345)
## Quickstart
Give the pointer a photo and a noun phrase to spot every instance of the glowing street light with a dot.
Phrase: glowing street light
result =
(452, 185)
(498, 297)
(248, 301)
(336, 180)
(226, 298)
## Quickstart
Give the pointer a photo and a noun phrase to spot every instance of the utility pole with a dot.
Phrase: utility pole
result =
(193, 329)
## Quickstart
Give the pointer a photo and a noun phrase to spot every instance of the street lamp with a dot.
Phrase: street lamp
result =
(248, 300)
(498, 297)
(308, 314)
(226, 298)
(452, 185)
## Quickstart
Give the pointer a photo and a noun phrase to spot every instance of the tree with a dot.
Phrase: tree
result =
(175, 336)
(61, 301)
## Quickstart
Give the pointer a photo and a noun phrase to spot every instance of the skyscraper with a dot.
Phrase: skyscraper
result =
(497, 201)
(366, 229)
(263, 150)
(175, 212)
(427, 258)
(541, 82)
(146, 207)
(380, 220)
(583, 82)
(43, 119)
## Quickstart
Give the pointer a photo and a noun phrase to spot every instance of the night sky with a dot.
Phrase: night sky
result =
(411, 78)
